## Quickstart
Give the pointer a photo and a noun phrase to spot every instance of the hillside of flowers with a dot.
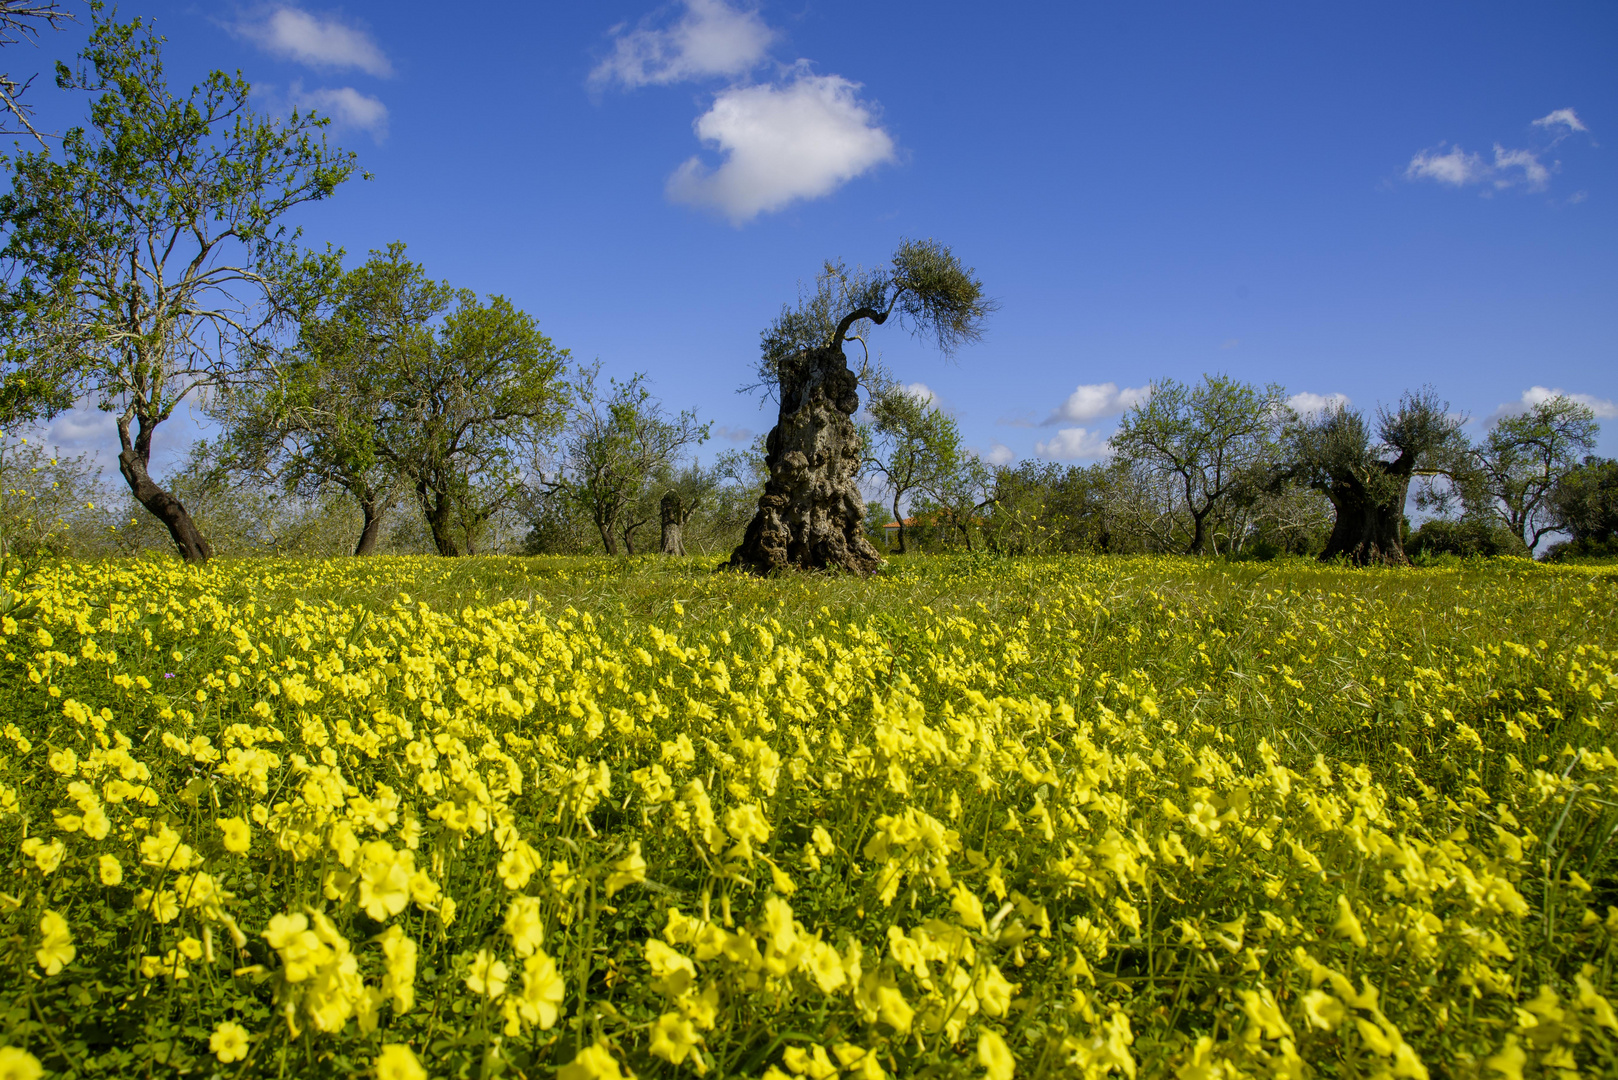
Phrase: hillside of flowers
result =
(412, 818)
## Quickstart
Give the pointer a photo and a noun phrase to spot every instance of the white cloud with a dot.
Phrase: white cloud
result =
(347, 106)
(295, 34)
(781, 142)
(925, 393)
(1458, 168)
(1534, 395)
(1314, 404)
(1091, 400)
(734, 434)
(712, 38)
(1230, 343)
(1455, 167)
(1071, 444)
(1561, 118)
(1534, 174)
(999, 454)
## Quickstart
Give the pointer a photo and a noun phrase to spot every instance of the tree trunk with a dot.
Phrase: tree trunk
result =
(900, 519)
(1367, 530)
(609, 539)
(673, 517)
(372, 531)
(134, 457)
(811, 515)
(439, 509)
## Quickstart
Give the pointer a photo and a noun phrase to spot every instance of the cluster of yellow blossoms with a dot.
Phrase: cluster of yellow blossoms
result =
(1081, 818)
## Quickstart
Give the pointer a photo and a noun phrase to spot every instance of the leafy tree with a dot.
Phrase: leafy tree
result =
(1208, 443)
(466, 416)
(399, 382)
(334, 413)
(914, 446)
(1523, 458)
(812, 513)
(957, 497)
(153, 260)
(20, 20)
(1471, 536)
(1368, 482)
(621, 441)
(1584, 503)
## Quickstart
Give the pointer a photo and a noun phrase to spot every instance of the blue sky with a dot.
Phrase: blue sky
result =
(1346, 199)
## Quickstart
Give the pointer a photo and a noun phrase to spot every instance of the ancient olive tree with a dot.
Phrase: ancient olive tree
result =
(1205, 444)
(1524, 457)
(1366, 479)
(812, 513)
(151, 260)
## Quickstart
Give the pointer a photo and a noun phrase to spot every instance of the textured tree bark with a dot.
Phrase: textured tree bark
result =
(439, 509)
(372, 531)
(672, 512)
(811, 515)
(134, 457)
(1367, 530)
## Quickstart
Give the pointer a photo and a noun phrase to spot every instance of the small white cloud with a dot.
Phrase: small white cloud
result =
(1458, 168)
(925, 393)
(1314, 404)
(1092, 400)
(712, 38)
(294, 34)
(1074, 444)
(1455, 167)
(1561, 118)
(1534, 395)
(1535, 175)
(781, 142)
(999, 454)
(734, 434)
(346, 106)
(1229, 343)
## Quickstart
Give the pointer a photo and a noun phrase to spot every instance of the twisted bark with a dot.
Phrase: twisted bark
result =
(812, 514)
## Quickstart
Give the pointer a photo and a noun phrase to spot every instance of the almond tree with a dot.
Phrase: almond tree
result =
(150, 261)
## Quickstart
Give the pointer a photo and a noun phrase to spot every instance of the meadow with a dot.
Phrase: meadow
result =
(410, 817)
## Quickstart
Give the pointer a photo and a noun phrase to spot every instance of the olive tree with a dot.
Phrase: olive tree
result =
(151, 259)
(812, 514)
(1367, 475)
(1205, 444)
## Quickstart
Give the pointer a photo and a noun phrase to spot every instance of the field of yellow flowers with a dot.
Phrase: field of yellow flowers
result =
(406, 817)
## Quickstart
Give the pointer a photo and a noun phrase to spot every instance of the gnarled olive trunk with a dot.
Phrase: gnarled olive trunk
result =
(1368, 529)
(811, 515)
(134, 460)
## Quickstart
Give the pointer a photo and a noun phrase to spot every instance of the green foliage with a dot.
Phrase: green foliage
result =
(1470, 537)
(153, 256)
(924, 284)
(1524, 458)
(1206, 445)
(912, 445)
(621, 454)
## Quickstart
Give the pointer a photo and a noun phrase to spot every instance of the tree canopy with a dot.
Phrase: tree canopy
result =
(153, 258)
